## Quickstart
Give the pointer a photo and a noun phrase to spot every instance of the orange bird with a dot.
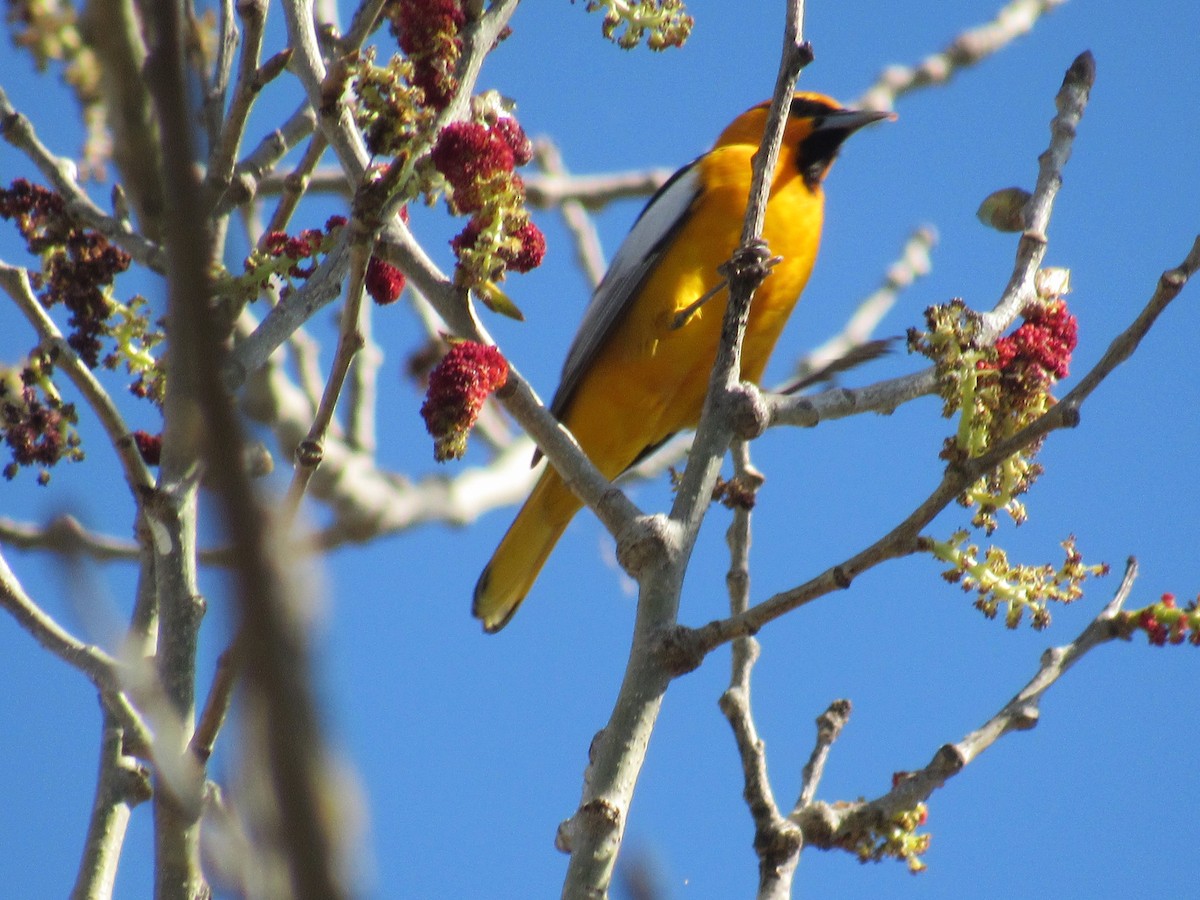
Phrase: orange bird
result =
(631, 380)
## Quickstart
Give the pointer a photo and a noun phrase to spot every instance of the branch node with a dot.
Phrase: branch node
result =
(309, 454)
(1025, 717)
(841, 577)
(642, 543)
(680, 650)
(749, 414)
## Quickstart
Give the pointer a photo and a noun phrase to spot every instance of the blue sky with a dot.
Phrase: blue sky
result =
(469, 750)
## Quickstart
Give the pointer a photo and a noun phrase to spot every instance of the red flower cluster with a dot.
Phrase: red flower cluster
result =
(384, 282)
(76, 262)
(149, 446)
(1039, 352)
(527, 253)
(470, 155)
(427, 32)
(37, 432)
(478, 162)
(308, 244)
(458, 387)
(1165, 623)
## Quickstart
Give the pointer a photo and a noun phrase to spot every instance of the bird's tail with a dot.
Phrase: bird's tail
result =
(523, 551)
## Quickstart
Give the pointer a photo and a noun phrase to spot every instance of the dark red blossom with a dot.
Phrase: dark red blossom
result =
(467, 154)
(1155, 630)
(38, 432)
(510, 130)
(384, 282)
(1042, 346)
(458, 387)
(532, 249)
(428, 33)
(76, 262)
(149, 446)
(528, 254)
(305, 245)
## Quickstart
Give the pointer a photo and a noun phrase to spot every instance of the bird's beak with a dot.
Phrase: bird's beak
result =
(848, 121)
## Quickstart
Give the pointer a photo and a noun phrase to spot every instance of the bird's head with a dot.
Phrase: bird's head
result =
(817, 125)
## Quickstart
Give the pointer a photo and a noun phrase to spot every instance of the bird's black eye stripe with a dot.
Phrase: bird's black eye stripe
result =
(803, 107)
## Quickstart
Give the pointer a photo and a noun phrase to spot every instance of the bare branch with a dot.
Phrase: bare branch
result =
(776, 840)
(61, 173)
(593, 834)
(350, 341)
(830, 826)
(829, 726)
(968, 49)
(122, 784)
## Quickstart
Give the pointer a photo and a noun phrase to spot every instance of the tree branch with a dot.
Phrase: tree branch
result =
(969, 48)
(121, 785)
(842, 825)
(657, 551)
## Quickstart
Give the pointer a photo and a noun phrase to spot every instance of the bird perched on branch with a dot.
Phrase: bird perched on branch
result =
(638, 369)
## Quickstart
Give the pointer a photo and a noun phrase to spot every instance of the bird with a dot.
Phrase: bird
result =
(638, 368)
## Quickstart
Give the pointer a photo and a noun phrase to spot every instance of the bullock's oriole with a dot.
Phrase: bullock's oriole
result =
(631, 379)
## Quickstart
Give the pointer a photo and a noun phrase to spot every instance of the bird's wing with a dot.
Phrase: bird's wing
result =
(635, 259)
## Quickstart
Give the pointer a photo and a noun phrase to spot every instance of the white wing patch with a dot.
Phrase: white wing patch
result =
(631, 265)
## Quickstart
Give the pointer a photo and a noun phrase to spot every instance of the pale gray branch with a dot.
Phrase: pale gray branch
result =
(969, 48)
(831, 826)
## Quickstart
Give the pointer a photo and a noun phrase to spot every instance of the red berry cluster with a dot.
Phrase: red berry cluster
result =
(478, 160)
(77, 262)
(1039, 352)
(37, 431)
(1164, 622)
(428, 33)
(458, 387)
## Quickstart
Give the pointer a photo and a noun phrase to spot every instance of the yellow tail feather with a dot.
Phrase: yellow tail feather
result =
(523, 551)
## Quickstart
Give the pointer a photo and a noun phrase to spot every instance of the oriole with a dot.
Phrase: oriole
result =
(631, 380)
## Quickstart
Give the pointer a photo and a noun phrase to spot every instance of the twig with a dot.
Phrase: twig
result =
(250, 81)
(265, 156)
(830, 826)
(657, 549)
(776, 840)
(64, 534)
(220, 696)
(101, 669)
(968, 49)
(350, 341)
(913, 263)
(587, 241)
(295, 185)
(60, 172)
(829, 726)
(121, 784)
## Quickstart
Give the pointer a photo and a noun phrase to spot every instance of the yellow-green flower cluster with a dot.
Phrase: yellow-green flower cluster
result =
(1018, 588)
(897, 840)
(663, 23)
